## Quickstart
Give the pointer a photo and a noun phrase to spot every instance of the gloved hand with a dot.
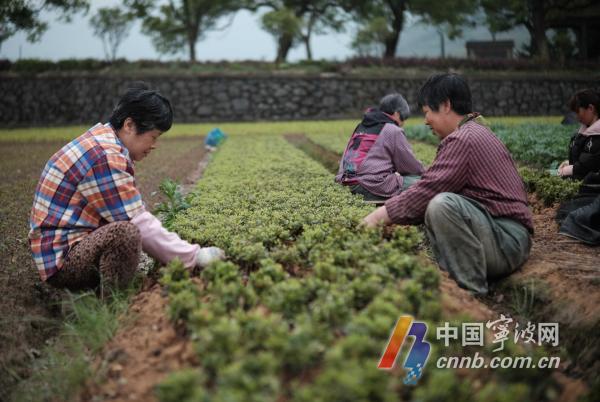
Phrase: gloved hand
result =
(206, 255)
(566, 171)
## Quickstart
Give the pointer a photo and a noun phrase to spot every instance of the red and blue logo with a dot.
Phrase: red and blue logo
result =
(418, 354)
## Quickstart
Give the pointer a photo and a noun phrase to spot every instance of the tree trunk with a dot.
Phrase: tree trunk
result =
(391, 42)
(306, 40)
(539, 41)
(284, 44)
(192, 47)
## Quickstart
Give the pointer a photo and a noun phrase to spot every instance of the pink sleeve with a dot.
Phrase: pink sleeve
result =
(162, 244)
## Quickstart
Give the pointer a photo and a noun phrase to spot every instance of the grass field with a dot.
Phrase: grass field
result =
(276, 128)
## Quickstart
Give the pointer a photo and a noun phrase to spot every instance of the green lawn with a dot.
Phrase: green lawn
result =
(284, 127)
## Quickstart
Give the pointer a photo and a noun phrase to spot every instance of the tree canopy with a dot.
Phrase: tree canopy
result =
(292, 22)
(23, 15)
(382, 21)
(180, 23)
(112, 26)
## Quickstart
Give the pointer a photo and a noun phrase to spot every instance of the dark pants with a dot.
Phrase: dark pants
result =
(108, 256)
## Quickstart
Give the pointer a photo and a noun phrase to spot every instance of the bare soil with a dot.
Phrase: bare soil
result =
(29, 312)
(141, 354)
(559, 283)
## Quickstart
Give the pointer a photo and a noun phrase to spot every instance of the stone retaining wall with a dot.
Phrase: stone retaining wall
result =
(78, 99)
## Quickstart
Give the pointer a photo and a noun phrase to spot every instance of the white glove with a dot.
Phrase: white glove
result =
(206, 255)
(566, 171)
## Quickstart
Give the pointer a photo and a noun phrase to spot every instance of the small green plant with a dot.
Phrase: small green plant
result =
(182, 386)
(175, 203)
(550, 189)
(523, 300)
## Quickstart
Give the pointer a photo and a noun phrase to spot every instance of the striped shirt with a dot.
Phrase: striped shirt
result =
(471, 162)
(86, 184)
(391, 153)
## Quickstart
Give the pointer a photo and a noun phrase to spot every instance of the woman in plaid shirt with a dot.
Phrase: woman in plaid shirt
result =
(88, 223)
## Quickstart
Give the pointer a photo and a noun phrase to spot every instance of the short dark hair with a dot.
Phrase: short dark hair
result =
(147, 108)
(584, 98)
(395, 102)
(447, 86)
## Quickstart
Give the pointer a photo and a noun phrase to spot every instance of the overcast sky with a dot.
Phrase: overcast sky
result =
(242, 40)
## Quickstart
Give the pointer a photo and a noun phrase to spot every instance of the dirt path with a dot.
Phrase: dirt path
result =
(141, 354)
(559, 283)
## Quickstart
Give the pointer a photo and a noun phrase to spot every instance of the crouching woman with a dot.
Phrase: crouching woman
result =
(88, 223)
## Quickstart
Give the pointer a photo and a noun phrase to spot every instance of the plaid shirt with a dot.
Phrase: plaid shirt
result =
(86, 184)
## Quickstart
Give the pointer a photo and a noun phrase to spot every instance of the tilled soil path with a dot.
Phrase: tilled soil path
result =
(559, 283)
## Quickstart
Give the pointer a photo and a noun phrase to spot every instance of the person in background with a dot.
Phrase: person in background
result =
(378, 162)
(88, 223)
(472, 199)
(584, 148)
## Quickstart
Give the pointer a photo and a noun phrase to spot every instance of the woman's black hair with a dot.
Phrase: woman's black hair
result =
(584, 98)
(147, 108)
(442, 87)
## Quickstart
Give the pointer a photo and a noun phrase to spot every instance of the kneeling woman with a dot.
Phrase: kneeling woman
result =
(378, 162)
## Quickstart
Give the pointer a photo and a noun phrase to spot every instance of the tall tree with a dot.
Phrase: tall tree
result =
(23, 15)
(285, 27)
(180, 23)
(295, 21)
(505, 15)
(447, 22)
(535, 15)
(112, 26)
(453, 14)
(370, 38)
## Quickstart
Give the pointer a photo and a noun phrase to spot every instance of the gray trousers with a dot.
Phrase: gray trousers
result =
(472, 245)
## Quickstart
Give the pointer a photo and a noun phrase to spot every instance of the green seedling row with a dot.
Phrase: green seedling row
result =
(306, 302)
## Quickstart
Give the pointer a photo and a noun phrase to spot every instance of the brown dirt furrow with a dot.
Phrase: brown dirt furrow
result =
(559, 283)
(141, 354)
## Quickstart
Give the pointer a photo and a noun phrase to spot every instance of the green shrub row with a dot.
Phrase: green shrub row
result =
(536, 145)
(549, 189)
(359, 64)
(305, 304)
